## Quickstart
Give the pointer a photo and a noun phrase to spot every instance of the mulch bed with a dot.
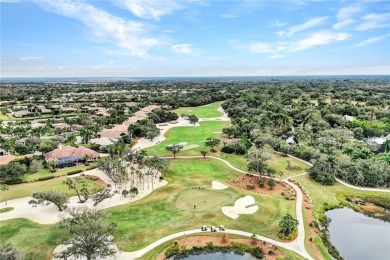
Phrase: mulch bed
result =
(244, 180)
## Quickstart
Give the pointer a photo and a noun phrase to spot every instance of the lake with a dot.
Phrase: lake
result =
(219, 256)
(357, 236)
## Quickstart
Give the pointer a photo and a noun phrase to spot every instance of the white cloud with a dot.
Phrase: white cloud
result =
(129, 36)
(345, 16)
(32, 58)
(111, 62)
(319, 38)
(313, 22)
(276, 56)
(152, 10)
(260, 47)
(372, 40)
(185, 49)
(373, 21)
(9, 1)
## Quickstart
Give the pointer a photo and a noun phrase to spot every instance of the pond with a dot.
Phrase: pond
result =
(219, 256)
(357, 236)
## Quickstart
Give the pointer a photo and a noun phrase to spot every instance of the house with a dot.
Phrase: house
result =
(68, 110)
(22, 113)
(46, 111)
(68, 155)
(62, 126)
(3, 152)
(291, 140)
(375, 143)
(36, 124)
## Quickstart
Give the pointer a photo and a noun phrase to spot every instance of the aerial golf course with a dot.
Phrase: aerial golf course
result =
(188, 201)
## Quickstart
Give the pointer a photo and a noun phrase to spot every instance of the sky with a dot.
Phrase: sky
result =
(146, 38)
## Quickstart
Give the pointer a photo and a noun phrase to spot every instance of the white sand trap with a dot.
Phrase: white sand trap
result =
(216, 185)
(183, 143)
(241, 206)
(190, 146)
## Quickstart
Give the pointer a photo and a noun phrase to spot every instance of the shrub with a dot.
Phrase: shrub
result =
(13, 182)
(46, 178)
(91, 167)
(271, 252)
(74, 172)
(260, 182)
(257, 252)
(91, 177)
(227, 149)
(250, 186)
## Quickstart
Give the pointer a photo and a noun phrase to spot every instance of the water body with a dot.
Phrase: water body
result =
(357, 236)
(219, 256)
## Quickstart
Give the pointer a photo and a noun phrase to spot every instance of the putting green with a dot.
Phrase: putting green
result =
(200, 199)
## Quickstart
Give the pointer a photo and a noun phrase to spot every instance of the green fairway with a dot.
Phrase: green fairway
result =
(206, 111)
(157, 216)
(193, 135)
(27, 189)
(35, 241)
(200, 199)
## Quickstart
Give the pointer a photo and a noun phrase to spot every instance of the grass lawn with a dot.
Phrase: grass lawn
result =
(7, 209)
(196, 199)
(27, 189)
(157, 215)
(35, 241)
(193, 135)
(46, 172)
(202, 111)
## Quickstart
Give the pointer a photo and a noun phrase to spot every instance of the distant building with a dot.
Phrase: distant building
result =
(22, 113)
(104, 141)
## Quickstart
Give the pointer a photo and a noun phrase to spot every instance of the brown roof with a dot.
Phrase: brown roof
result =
(69, 151)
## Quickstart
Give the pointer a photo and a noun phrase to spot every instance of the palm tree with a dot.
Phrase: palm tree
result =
(86, 134)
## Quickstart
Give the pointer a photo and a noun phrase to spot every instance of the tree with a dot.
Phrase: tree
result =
(386, 146)
(288, 224)
(58, 198)
(100, 195)
(79, 185)
(134, 191)
(12, 171)
(325, 170)
(51, 164)
(271, 183)
(4, 188)
(174, 149)
(256, 160)
(203, 153)
(85, 234)
(193, 119)
(212, 142)
(35, 166)
(229, 131)
(9, 252)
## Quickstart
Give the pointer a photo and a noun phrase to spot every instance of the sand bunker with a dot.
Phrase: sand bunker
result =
(216, 185)
(241, 206)
(190, 146)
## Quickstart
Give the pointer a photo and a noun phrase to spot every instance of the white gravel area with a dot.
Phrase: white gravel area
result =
(216, 185)
(241, 206)
(50, 214)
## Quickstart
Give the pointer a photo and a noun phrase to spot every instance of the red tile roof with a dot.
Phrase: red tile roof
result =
(69, 151)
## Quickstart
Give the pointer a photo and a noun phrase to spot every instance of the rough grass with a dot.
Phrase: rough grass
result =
(322, 248)
(206, 111)
(7, 209)
(46, 172)
(200, 199)
(27, 189)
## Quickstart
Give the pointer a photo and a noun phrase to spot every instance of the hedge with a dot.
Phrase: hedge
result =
(74, 172)
(45, 178)
(91, 167)
(14, 181)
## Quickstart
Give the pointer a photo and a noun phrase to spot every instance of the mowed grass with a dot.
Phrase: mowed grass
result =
(206, 111)
(27, 189)
(46, 172)
(193, 135)
(157, 215)
(197, 199)
(35, 241)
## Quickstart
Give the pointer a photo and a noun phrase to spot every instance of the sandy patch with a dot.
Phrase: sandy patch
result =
(190, 146)
(241, 206)
(216, 185)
